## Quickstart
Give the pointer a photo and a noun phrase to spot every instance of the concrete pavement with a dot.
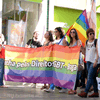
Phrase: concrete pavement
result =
(29, 93)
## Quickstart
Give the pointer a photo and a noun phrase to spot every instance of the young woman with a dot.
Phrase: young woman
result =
(59, 33)
(74, 41)
(91, 53)
(48, 39)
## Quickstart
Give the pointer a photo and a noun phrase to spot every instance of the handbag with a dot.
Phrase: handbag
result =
(81, 67)
(81, 63)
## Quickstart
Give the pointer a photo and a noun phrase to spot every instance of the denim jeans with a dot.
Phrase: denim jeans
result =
(1, 71)
(91, 78)
(52, 86)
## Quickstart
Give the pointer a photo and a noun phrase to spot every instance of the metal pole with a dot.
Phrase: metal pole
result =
(14, 10)
(47, 15)
(20, 12)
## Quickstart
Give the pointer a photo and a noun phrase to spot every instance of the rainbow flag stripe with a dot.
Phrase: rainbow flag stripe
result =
(50, 64)
(81, 25)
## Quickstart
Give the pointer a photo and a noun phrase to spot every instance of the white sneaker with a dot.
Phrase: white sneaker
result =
(24, 83)
(31, 84)
(63, 91)
(49, 90)
(34, 86)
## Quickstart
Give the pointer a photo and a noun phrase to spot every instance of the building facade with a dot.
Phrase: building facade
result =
(57, 13)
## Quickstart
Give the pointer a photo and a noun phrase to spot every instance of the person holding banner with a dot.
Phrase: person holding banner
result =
(2, 57)
(91, 52)
(59, 33)
(33, 43)
(48, 39)
(74, 41)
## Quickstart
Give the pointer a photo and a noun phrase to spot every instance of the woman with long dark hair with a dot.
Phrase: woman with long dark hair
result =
(59, 34)
(74, 41)
(48, 39)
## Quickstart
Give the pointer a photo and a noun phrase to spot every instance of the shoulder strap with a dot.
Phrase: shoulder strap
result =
(67, 43)
(86, 42)
(95, 42)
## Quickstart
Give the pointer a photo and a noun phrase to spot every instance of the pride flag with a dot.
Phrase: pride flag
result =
(81, 25)
(50, 64)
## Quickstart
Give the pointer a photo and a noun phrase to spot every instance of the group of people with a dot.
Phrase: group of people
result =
(90, 52)
(87, 74)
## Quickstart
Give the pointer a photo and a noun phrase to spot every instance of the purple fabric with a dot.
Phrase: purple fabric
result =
(49, 80)
(40, 73)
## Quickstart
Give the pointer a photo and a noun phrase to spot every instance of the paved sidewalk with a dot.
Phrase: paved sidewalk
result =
(29, 93)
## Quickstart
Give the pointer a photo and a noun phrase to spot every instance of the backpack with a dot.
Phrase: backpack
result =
(95, 42)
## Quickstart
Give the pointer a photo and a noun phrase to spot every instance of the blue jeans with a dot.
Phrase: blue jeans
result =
(1, 71)
(91, 78)
(52, 86)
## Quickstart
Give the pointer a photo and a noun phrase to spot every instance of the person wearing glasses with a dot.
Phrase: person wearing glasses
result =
(59, 34)
(91, 53)
(74, 41)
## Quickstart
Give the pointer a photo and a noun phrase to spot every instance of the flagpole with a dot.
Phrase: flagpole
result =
(19, 12)
(47, 15)
(26, 24)
(14, 10)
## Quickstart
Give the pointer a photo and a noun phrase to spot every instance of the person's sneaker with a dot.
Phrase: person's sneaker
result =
(49, 90)
(3, 86)
(63, 91)
(34, 86)
(24, 83)
(31, 85)
(83, 94)
(94, 95)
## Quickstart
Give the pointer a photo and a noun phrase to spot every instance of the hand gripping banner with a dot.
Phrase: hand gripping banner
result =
(50, 64)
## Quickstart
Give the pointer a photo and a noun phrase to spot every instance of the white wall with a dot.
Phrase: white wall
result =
(75, 4)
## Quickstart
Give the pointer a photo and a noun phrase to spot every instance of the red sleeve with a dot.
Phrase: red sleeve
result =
(2, 53)
(84, 60)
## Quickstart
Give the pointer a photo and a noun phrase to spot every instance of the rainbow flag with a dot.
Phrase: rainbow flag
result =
(50, 64)
(81, 25)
